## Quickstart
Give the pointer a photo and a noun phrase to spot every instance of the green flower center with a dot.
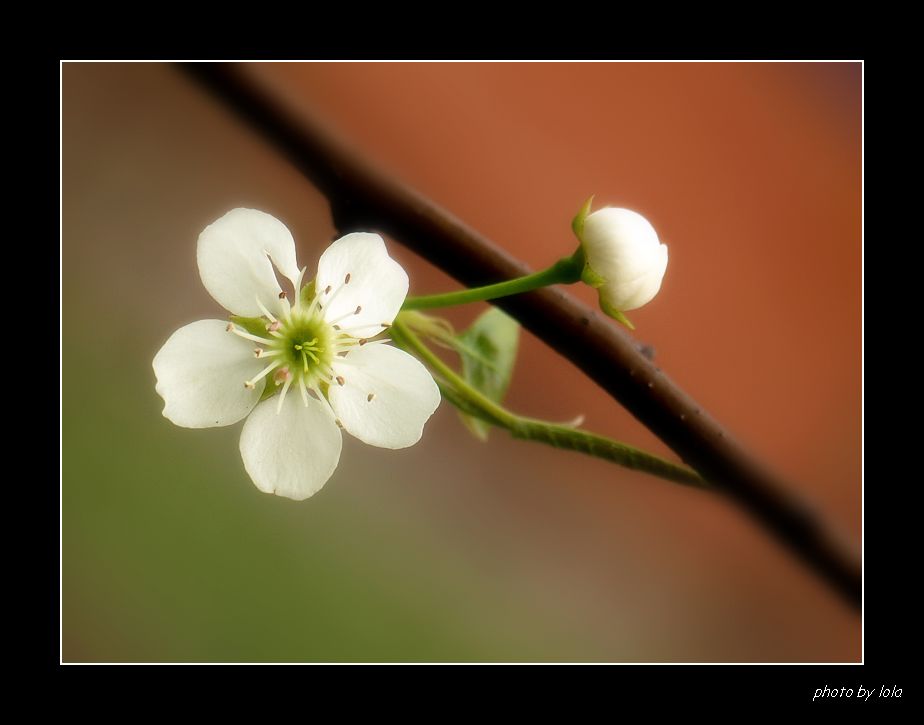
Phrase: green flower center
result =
(298, 345)
(306, 346)
(299, 348)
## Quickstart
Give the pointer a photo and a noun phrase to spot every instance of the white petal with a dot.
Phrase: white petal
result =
(291, 453)
(234, 260)
(404, 396)
(620, 244)
(200, 373)
(631, 295)
(377, 286)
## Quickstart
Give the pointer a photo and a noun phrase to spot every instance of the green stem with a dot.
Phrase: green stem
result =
(487, 409)
(564, 271)
(471, 401)
(574, 439)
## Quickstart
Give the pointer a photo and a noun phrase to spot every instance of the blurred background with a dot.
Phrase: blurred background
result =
(455, 550)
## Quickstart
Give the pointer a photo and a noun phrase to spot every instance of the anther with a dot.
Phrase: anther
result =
(370, 397)
(346, 279)
(336, 327)
(273, 326)
(363, 342)
(230, 327)
(359, 308)
(282, 375)
(340, 380)
(249, 385)
(258, 352)
(339, 423)
(282, 295)
(385, 324)
(327, 290)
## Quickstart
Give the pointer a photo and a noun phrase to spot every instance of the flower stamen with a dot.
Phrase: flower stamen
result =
(260, 375)
(282, 394)
(298, 287)
(327, 291)
(316, 393)
(266, 312)
(333, 323)
(246, 335)
(349, 330)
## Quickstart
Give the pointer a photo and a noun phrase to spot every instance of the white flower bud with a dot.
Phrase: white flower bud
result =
(624, 260)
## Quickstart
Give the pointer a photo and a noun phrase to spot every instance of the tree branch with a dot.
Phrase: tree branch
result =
(364, 197)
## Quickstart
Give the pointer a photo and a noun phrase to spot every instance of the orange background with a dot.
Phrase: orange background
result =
(751, 173)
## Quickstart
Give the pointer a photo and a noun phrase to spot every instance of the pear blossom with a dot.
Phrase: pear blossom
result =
(299, 366)
(624, 259)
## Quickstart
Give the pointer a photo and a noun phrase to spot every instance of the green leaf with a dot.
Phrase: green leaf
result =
(488, 350)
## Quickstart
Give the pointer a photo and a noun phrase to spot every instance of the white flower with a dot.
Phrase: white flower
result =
(214, 373)
(624, 259)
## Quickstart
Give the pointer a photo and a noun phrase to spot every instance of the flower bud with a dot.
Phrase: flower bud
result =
(623, 258)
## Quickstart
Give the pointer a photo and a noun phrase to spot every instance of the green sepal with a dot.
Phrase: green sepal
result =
(488, 350)
(307, 293)
(256, 326)
(577, 224)
(616, 314)
(434, 328)
(253, 325)
(591, 278)
(269, 390)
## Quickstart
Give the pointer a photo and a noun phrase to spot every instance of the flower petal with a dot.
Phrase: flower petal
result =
(386, 396)
(620, 244)
(631, 295)
(234, 256)
(361, 276)
(200, 373)
(291, 453)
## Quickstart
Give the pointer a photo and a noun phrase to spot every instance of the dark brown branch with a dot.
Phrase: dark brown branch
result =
(363, 197)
